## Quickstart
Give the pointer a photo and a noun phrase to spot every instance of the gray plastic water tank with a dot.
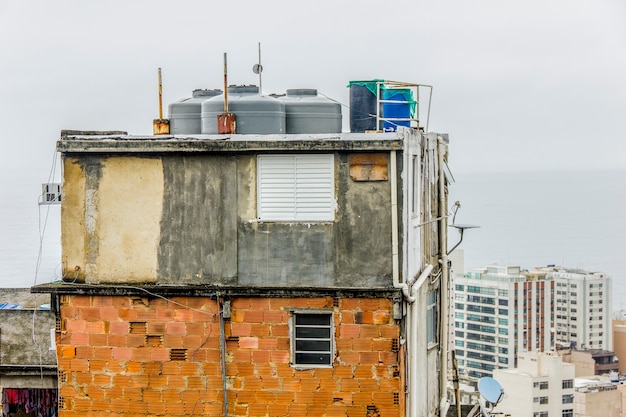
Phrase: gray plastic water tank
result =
(185, 114)
(254, 114)
(306, 112)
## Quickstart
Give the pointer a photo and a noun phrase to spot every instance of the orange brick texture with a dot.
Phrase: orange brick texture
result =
(132, 356)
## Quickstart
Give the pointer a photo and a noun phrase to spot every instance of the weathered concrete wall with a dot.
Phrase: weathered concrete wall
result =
(110, 218)
(191, 219)
(135, 355)
(198, 229)
(18, 327)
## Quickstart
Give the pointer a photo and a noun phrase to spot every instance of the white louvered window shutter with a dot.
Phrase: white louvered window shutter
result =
(296, 187)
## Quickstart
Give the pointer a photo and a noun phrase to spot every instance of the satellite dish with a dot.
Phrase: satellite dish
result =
(490, 389)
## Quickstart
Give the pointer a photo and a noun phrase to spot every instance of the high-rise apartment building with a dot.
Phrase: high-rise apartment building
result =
(500, 311)
(503, 310)
(582, 309)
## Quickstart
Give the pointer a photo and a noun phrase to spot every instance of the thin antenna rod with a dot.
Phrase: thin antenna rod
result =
(160, 96)
(225, 85)
(260, 66)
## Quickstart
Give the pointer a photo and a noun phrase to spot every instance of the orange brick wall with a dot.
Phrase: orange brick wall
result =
(133, 356)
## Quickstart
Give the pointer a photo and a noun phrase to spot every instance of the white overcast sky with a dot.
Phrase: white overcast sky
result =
(518, 85)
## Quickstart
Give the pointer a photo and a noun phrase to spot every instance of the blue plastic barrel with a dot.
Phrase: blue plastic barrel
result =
(398, 107)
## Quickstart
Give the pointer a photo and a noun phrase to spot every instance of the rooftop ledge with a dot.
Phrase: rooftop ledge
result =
(212, 290)
(116, 142)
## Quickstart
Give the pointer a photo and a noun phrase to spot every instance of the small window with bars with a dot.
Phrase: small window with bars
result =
(312, 339)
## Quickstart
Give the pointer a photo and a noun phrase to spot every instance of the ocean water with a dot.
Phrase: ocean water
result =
(572, 219)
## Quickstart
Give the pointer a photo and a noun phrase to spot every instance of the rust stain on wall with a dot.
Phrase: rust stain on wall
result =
(368, 166)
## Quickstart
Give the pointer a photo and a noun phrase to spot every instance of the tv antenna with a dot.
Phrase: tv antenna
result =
(258, 69)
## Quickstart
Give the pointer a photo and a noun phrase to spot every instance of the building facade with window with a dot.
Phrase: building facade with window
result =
(542, 385)
(500, 311)
(252, 275)
(582, 309)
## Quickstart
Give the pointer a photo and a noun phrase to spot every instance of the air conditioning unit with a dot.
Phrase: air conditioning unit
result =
(51, 193)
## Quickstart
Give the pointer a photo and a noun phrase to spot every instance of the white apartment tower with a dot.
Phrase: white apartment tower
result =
(541, 386)
(500, 311)
(583, 308)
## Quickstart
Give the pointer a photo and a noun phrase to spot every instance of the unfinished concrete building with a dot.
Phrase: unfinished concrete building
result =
(253, 275)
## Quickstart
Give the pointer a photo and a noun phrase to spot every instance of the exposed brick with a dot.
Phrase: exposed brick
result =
(116, 340)
(90, 313)
(102, 380)
(140, 407)
(145, 314)
(260, 330)
(347, 317)
(119, 405)
(164, 315)
(241, 356)
(363, 317)
(364, 371)
(280, 357)
(369, 385)
(159, 354)
(172, 341)
(68, 351)
(79, 365)
(389, 358)
(109, 313)
(98, 340)
(156, 408)
(362, 398)
(95, 393)
(76, 326)
(369, 331)
(119, 327)
(80, 300)
(192, 341)
(391, 332)
(261, 356)
(349, 331)
(382, 317)
(135, 340)
(176, 382)
(257, 410)
(348, 358)
(369, 304)
(274, 316)
(190, 369)
(270, 384)
(253, 316)
(174, 328)
(368, 357)
(183, 315)
(83, 378)
(240, 302)
(97, 365)
(68, 312)
(156, 328)
(259, 303)
(279, 330)
(362, 344)
(138, 381)
(267, 343)
(240, 329)
(122, 353)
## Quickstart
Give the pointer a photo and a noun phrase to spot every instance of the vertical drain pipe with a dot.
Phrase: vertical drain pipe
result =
(443, 250)
(220, 306)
